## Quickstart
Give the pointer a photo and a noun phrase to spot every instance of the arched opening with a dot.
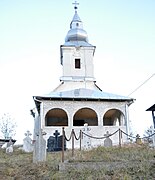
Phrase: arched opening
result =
(85, 115)
(56, 117)
(113, 117)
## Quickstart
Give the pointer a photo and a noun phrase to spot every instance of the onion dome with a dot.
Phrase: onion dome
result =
(76, 32)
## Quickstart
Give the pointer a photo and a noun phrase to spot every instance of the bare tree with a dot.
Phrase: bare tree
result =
(148, 134)
(7, 126)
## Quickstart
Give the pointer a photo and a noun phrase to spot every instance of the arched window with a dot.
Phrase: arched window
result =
(56, 117)
(85, 115)
(113, 117)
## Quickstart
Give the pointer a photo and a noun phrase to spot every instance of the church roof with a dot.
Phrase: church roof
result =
(83, 93)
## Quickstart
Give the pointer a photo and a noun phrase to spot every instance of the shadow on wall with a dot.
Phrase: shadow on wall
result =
(113, 117)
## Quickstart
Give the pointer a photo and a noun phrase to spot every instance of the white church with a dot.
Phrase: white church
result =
(78, 100)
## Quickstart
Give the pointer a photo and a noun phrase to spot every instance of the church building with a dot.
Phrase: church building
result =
(78, 100)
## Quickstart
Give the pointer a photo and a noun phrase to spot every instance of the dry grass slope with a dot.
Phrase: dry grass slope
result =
(126, 163)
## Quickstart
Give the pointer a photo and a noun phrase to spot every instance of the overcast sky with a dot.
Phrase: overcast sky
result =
(31, 33)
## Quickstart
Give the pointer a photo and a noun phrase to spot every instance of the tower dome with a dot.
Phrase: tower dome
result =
(76, 32)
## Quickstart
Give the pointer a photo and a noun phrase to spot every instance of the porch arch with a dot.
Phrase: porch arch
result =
(56, 117)
(113, 117)
(85, 115)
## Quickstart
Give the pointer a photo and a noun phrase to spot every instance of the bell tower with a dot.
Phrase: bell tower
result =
(77, 54)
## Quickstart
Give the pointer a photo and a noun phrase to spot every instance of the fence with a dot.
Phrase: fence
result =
(81, 133)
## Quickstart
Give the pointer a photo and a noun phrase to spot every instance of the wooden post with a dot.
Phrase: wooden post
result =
(63, 142)
(120, 137)
(80, 138)
(72, 142)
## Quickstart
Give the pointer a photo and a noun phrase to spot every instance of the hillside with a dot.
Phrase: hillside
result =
(130, 162)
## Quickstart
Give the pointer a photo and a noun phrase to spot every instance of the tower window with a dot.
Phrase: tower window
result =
(77, 64)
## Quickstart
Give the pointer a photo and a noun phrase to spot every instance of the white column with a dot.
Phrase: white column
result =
(127, 119)
(70, 119)
(100, 120)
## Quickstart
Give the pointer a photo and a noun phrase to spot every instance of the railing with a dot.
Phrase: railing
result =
(81, 133)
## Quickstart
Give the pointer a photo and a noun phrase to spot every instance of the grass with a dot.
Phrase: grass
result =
(126, 163)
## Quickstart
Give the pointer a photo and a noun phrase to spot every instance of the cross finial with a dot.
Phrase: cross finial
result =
(75, 5)
(27, 134)
(107, 134)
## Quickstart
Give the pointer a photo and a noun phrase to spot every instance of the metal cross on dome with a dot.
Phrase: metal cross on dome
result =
(75, 5)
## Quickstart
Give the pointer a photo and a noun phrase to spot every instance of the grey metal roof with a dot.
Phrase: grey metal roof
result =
(76, 32)
(85, 94)
(76, 17)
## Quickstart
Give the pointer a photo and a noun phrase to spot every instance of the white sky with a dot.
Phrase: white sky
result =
(31, 33)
